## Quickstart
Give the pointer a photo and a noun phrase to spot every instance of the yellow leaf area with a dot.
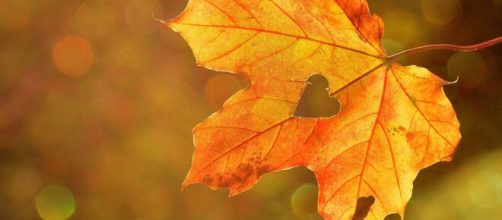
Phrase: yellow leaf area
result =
(394, 120)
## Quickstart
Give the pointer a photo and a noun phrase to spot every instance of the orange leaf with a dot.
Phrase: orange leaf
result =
(394, 120)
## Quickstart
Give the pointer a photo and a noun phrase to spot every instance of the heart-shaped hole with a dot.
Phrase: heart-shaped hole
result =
(315, 101)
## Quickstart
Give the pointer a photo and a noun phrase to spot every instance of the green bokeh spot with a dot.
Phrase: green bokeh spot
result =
(55, 202)
(304, 202)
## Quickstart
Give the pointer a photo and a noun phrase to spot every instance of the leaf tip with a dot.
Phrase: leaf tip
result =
(448, 158)
(233, 192)
(447, 83)
(159, 20)
(168, 22)
(188, 181)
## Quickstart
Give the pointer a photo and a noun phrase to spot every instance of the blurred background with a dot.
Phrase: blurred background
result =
(97, 103)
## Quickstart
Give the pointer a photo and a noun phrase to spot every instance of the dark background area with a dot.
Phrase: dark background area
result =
(97, 103)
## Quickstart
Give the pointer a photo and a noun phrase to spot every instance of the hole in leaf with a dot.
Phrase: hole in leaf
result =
(363, 207)
(315, 101)
(394, 216)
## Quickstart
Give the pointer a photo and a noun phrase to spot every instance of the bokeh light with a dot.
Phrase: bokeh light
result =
(303, 202)
(483, 188)
(402, 24)
(73, 55)
(469, 192)
(469, 67)
(55, 202)
(442, 12)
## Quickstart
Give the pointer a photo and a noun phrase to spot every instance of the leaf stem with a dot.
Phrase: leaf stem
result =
(453, 47)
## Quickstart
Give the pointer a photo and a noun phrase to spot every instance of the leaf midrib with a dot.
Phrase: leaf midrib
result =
(282, 34)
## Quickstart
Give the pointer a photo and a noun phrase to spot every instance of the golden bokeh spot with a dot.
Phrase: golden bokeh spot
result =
(14, 14)
(219, 87)
(403, 24)
(73, 56)
(483, 189)
(442, 12)
(55, 202)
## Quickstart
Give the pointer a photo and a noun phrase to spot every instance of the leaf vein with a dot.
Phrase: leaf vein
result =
(283, 34)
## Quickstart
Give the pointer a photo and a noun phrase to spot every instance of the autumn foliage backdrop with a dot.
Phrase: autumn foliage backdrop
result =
(97, 103)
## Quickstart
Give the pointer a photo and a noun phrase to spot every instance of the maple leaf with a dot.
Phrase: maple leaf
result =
(394, 120)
